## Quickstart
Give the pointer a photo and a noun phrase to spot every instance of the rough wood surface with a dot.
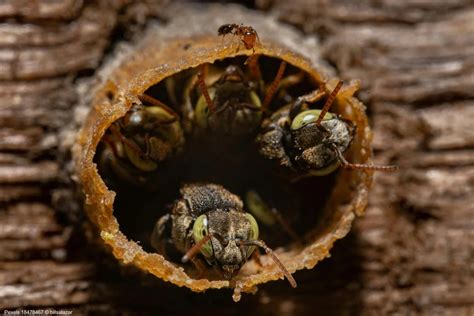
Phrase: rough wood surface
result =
(412, 253)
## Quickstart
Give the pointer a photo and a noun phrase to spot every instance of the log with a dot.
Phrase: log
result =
(411, 253)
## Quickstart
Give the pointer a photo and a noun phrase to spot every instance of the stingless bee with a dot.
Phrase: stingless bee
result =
(310, 142)
(209, 223)
(234, 102)
(136, 143)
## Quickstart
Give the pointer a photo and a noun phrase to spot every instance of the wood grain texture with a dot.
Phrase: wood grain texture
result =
(412, 253)
(415, 62)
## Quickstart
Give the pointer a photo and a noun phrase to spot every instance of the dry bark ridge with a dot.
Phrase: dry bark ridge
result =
(412, 253)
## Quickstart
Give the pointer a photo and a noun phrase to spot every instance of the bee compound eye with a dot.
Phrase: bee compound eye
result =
(253, 234)
(254, 231)
(200, 230)
(203, 111)
(307, 117)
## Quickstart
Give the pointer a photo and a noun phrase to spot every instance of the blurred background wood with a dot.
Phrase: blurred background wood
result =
(412, 253)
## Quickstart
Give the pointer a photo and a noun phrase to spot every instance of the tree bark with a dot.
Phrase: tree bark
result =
(411, 253)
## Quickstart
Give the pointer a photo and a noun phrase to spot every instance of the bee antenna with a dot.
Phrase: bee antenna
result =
(329, 102)
(347, 165)
(270, 252)
(274, 86)
(195, 249)
(252, 62)
(203, 88)
(155, 102)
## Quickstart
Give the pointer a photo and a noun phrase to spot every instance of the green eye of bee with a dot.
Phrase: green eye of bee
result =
(253, 232)
(138, 161)
(254, 227)
(159, 113)
(202, 110)
(199, 231)
(306, 117)
(255, 99)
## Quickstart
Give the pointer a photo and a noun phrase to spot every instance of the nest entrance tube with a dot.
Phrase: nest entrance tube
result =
(319, 209)
(213, 158)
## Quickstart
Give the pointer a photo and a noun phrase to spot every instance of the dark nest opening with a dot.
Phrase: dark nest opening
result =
(211, 158)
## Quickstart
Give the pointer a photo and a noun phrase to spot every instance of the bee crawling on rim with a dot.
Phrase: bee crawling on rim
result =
(248, 35)
(209, 225)
(310, 142)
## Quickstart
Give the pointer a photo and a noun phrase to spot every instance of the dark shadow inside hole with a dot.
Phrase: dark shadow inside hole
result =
(235, 164)
(110, 95)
